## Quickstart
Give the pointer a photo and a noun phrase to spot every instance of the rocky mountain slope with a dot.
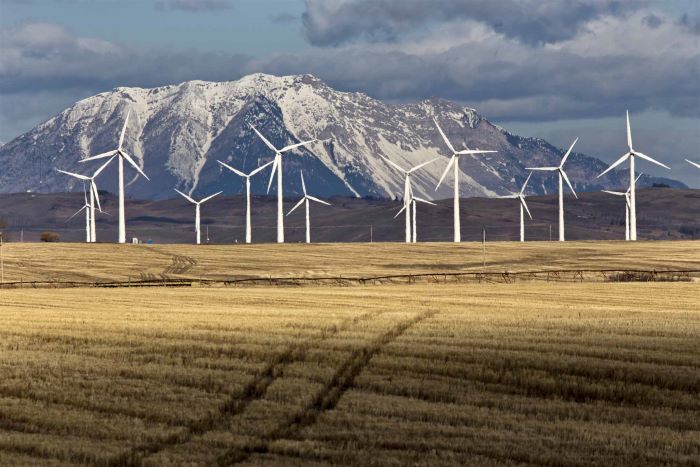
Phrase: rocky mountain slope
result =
(177, 133)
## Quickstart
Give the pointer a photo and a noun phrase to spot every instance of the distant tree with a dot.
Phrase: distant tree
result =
(49, 237)
(660, 185)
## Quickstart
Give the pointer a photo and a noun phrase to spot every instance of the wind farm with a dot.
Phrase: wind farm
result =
(349, 233)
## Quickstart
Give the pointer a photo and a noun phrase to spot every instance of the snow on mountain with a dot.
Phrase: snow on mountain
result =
(177, 133)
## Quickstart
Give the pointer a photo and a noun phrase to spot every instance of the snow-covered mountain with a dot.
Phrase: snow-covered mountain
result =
(177, 133)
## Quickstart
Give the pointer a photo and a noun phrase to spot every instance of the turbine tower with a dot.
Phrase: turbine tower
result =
(305, 200)
(562, 177)
(412, 204)
(197, 204)
(248, 228)
(523, 207)
(454, 162)
(408, 191)
(94, 195)
(626, 194)
(631, 154)
(123, 155)
(277, 166)
(86, 207)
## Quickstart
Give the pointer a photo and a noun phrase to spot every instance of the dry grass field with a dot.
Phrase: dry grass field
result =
(576, 374)
(433, 374)
(110, 262)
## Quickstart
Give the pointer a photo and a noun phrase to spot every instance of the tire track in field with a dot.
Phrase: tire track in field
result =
(328, 398)
(238, 402)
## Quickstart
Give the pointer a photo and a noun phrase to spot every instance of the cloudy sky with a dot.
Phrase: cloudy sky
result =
(550, 68)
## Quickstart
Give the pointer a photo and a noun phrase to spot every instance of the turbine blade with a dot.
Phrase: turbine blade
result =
(93, 187)
(259, 169)
(78, 176)
(210, 197)
(413, 169)
(638, 177)
(102, 167)
(474, 151)
(615, 164)
(126, 122)
(522, 190)
(100, 156)
(543, 169)
(318, 200)
(616, 193)
(444, 137)
(294, 146)
(303, 185)
(566, 179)
(396, 166)
(447, 169)
(629, 133)
(566, 156)
(693, 163)
(133, 164)
(187, 197)
(301, 201)
(401, 210)
(274, 170)
(269, 144)
(77, 212)
(650, 159)
(236, 171)
(425, 201)
(522, 201)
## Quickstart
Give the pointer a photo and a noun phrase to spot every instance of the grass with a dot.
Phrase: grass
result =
(436, 374)
(108, 262)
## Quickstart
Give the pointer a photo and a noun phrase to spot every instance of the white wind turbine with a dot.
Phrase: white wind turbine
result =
(122, 156)
(562, 177)
(305, 200)
(248, 229)
(197, 229)
(454, 162)
(407, 191)
(94, 196)
(87, 208)
(277, 166)
(626, 194)
(693, 163)
(633, 196)
(523, 207)
(412, 204)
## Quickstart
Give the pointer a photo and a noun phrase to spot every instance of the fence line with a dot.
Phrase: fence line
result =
(503, 277)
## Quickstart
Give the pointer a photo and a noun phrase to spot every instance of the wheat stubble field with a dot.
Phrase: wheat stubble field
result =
(433, 374)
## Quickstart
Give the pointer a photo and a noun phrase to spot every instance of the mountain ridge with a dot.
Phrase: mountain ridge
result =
(178, 132)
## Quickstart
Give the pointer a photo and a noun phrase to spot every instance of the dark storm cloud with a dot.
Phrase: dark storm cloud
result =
(193, 5)
(334, 22)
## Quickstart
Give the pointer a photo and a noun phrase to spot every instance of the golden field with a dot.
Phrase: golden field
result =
(433, 374)
(537, 373)
(109, 262)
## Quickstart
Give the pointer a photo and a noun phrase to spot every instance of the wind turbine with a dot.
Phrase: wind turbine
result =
(693, 163)
(454, 162)
(562, 177)
(412, 204)
(407, 191)
(626, 194)
(633, 197)
(122, 156)
(196, 216)
(277, 166)
(86, 207)
(248, 231)
(94, 195)
(305, 200)
(523, 207)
